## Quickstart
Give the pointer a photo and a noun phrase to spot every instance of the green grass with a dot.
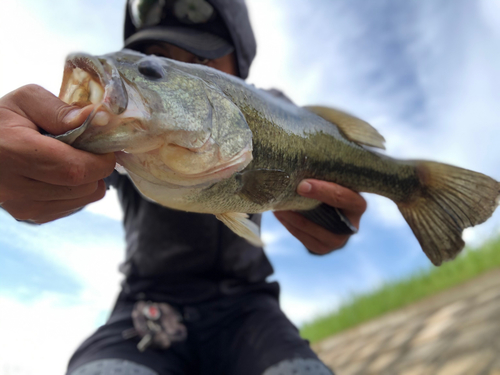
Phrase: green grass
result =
(392, 296)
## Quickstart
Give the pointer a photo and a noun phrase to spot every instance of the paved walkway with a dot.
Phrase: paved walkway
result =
(456, 332)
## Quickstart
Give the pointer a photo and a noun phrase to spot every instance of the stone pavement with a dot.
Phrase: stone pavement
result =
(456, 332)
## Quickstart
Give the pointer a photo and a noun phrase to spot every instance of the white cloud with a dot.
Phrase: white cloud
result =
(108, 206)
(49, 327)
(273, 234)
(300, 309)
(476, 236)
(38, 35)
(90, 258)
(27, 55)
(386, 210)
(39, 336)
(268, 72)
(490, 11)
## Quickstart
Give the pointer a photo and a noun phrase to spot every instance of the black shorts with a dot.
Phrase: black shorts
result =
(241, 335)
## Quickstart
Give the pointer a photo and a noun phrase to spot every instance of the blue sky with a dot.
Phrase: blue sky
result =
(425, 73)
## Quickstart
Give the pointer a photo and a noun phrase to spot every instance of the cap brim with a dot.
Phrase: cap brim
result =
(198, 42)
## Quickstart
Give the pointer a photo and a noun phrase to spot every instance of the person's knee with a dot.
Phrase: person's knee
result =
(299, 366)
(112, 366)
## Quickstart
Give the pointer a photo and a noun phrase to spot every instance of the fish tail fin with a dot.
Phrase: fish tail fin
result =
(451, 199)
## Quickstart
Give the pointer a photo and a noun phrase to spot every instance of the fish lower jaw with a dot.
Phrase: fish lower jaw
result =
(194, 165)
(148, 167)
(223, 170)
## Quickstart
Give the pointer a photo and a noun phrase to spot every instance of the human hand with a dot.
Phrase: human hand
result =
(41, 178)
(314, 237)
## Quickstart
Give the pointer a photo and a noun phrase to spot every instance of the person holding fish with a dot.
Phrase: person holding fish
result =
(195, 299)
(195, 144)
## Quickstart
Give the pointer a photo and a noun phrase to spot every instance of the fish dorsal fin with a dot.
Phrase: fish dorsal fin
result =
(354, 129)
(240, 224)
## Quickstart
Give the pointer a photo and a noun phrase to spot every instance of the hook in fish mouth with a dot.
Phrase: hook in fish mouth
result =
(89, 80)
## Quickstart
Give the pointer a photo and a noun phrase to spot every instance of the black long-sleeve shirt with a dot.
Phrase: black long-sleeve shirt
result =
(184, 257)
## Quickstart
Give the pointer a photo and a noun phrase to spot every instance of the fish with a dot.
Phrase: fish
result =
(195, 139)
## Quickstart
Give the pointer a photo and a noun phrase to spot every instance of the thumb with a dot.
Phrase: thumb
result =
(46, 110)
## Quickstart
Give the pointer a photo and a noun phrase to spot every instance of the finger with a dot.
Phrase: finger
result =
(314, 237)
(42, 212)
(20, 187)
(48, 160)
(307, 240)
(334, 195)
(60, 215)
(45, 110)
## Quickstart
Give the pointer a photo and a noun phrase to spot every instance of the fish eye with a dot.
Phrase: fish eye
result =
(150, 69)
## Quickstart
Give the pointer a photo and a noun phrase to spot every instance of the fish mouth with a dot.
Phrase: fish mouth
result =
(88, 80)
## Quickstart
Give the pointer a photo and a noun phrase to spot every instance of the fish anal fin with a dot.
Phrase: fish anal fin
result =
(240, 224)
(262, 186)
(354, 129)
(330, 218)
(451, 200)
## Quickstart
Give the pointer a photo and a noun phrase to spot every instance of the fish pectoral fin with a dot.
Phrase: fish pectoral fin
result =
(330, 218)
(240, 224)
(262, 186)
(354, 129)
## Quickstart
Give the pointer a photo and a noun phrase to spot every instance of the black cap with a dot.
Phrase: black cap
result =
(218, 28)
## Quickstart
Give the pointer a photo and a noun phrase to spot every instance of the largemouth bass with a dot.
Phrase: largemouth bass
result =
(195, 139)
